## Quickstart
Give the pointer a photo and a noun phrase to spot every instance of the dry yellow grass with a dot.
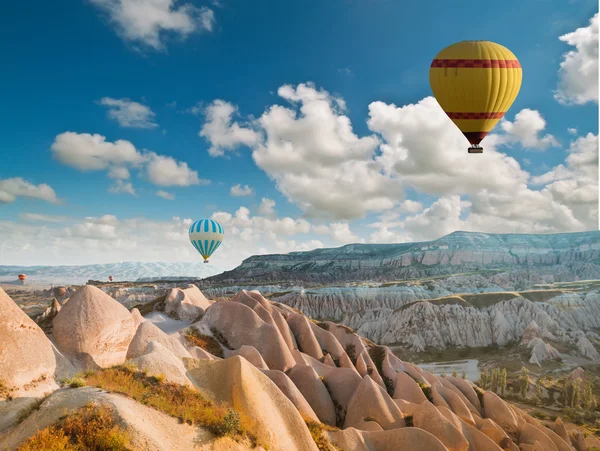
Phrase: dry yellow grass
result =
(89, 428)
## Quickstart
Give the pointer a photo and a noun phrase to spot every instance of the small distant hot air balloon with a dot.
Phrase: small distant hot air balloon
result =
(110, 278)
(22, 277)
(206, 236)
(475, 83)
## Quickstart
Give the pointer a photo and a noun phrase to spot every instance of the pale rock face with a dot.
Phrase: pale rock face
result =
(147, 332)
(94, 323)
(342, 384)
(371, 401)
(251, 354)
(532, 331)
(137, 317)
(329, 361)
(270, 415)
(26, 353)
(541, 351)
(530, 435)
(240, 325)
(305, 336)
(251, 301)
(497, 410)
(327, 341)
(478, 441)
(407, 389)
(186, 304)
(288, 388)
(457, 406)
(158, 360)
(405, 439)
(450, 386)
(314, 391)
(429, 418)
(467, 389)
(587, 349)
(561, 445)
(561, 431)
(365, 365)
(199, 353)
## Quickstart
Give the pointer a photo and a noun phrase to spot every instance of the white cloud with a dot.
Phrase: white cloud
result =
(220, 130)
(411, 206)
(87, 152)
(339, 231)
(14, 187)
(266, 207)
(166, 171)
(240, 191)
(426, 151)
(129, 113)
(123, 187)
(147, 21)
(578, 74)
(441, 218)
(38, 217)
(525, 130)
(165, 195)
(572, 131)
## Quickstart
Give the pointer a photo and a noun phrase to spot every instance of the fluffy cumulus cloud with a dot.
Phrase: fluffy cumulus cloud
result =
(222, 131)
(578, 74)
(146, 22)
(38, 217)
(15, 187)
(310, 150)
(87, 152)
(241, 191)
(525, 130)
(266, 207)
(129, 113)
(339, 231)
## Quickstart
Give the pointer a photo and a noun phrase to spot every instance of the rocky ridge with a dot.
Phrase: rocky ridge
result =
(293, 382)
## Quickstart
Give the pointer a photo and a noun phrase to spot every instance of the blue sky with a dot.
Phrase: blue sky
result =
(59, 63)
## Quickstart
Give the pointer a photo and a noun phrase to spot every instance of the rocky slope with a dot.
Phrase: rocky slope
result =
(568, 255)
(281, 381)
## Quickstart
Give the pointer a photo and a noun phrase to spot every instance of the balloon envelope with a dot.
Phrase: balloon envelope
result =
(206, 236)
(475, 83)
(22, 276)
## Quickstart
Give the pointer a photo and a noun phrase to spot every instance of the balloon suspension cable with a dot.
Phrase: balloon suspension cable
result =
(475, 148)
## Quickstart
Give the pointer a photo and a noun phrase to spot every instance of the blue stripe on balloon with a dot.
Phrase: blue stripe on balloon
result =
(198, 226)
(212, 247)
(195, 245)
(214, 226)
(217, 246)
(206, 245)
(205, 225)
(200, 247)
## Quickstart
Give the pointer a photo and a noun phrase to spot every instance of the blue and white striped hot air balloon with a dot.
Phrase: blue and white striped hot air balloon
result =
(206, 235)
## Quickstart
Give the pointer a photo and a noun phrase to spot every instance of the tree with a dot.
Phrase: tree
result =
(589, 400)
(454, 374)
(463, 375)
(494, 380)
(503, 381)
(483, 379)
(523, 382)
(571, 393)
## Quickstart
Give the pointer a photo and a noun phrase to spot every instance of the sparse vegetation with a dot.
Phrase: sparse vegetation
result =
(220, 337)
(206, 342)
(89, 428)
(408, 420)
(426, 391)
(74, 382)
(523, 382)
(29, 410)
(317, 433)
(377, 354)
(181, 402)
(351, 351)
(322, 325)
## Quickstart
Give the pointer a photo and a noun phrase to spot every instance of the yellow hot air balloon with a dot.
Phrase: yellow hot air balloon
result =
(475, 83)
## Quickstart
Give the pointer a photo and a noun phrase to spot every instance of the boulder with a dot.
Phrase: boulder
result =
(268, 413)
(404, 439)
(157, 360)
(250, 354)
(429, 418)
(305, 337)
(314, 391)
(467, 389)
(407, 389)
(372, 401)
(26, 355)
(497, 410)
(288, 388)
(239, 325)
(531, 435)
(147, 332)
(94, 323)
(186, 304)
